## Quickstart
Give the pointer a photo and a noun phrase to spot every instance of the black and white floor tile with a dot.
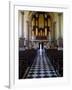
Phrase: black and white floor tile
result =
(41, 67)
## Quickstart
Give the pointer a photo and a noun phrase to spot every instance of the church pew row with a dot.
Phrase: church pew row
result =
(26, 59)
(56, 58)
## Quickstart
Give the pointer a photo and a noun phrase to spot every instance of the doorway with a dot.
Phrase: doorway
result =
(41, 45)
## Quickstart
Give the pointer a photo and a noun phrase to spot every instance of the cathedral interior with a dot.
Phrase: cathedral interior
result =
(40, 44)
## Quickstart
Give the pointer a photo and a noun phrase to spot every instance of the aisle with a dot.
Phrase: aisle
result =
(41, 67)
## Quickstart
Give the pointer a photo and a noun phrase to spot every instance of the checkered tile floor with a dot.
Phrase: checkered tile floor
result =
(41, 67)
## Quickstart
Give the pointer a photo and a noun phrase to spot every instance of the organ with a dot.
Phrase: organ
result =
(40, 26)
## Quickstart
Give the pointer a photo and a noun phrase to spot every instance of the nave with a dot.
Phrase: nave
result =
(40, 30)
(41, 67)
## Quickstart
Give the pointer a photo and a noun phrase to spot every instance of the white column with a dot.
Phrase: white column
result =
(62, 25)
(20, 24)
(59, 24)
(27, 22)
(57, 28)
(23, 24)
(49, 36)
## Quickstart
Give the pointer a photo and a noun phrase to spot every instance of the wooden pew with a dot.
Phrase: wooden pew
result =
(26, 59)
(56, 58)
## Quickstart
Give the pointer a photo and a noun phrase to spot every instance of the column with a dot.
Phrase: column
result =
(30, 27)
(59, 24)
(27, 22)
(54, 30)
(22, 24)
(36, 31)
(57, 27)
(49, 37)
(60, 32)
(45, 31)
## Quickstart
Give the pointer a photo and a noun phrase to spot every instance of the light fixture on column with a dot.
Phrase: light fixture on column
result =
(36, 31)
(32, 33)
(45, 31)
(46, 16)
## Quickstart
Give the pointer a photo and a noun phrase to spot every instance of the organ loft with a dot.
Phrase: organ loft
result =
(40, 25)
